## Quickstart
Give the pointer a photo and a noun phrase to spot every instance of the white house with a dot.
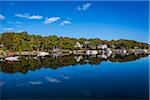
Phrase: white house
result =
(102, 46)
(108, 51)
(88, 52)
(136, 47)
(55, 49)
(78, 45)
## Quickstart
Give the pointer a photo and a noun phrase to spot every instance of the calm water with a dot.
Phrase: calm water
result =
(76, 78)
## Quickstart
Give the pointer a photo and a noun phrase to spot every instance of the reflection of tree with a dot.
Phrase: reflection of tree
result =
(32, 63)
(126, 58)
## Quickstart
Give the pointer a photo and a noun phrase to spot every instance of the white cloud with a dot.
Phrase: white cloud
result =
(84, 7)
(2, 17)
(65, 22)
(8, 29)
(28, 16)
(35, 17)
(51, 20)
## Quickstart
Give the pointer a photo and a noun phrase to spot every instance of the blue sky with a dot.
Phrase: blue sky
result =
(105, 20)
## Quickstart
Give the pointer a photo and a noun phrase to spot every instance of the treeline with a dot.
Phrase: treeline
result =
(25, 42)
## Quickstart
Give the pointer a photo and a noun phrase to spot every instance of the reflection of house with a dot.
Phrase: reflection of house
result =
(56, 55)
(78, 45)
(78, 58)
(102, 46)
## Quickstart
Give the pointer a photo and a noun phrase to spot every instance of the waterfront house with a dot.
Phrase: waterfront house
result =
(108, 51)
(122, 47)
(113, 46)
(88, 52)
(102, 46)
(92, 47)
(55, 49)
(78, 45)
(123, 50)
(1, 45)
(86, 44)
(136, 47)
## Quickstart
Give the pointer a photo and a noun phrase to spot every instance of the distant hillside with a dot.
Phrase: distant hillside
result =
(24, 42)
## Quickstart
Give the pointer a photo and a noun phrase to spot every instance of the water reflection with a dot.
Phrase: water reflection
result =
(52, 80)
(27, 63)
(2, 83)
(88, 78)
(36, 82)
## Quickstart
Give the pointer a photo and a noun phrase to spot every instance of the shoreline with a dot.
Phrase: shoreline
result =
(75, 52)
